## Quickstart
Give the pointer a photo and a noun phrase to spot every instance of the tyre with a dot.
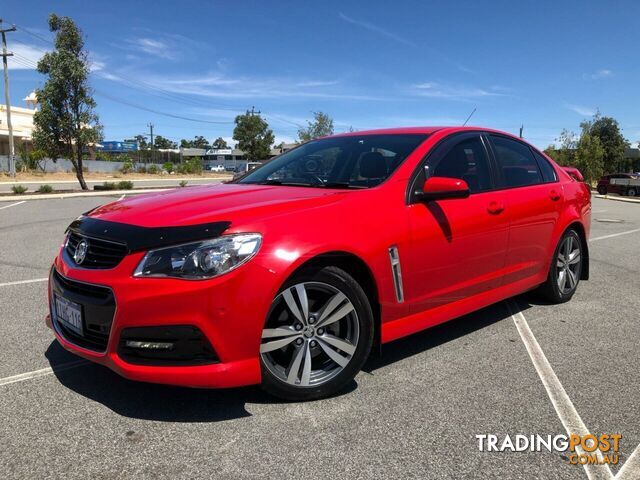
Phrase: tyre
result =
(602, 190)
(317, 336)
(566, 269)
(632, 192)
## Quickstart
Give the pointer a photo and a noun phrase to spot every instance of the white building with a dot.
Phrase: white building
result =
(22, 122)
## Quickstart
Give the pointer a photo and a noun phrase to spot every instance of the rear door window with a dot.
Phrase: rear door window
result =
(548, 172)
(516, 164)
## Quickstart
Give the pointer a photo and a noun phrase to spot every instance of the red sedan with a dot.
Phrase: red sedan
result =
(291, 274)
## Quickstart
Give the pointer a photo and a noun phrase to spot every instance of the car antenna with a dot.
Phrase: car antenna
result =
(470, 115)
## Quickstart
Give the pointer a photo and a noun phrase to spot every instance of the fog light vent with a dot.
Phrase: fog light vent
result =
(166, 345)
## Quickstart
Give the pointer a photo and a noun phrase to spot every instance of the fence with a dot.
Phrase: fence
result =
(63, 165)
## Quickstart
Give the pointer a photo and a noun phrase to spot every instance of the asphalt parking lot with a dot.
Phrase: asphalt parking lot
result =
(413, 413)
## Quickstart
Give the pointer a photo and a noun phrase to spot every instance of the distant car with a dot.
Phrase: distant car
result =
(605, 186)
(217, 168)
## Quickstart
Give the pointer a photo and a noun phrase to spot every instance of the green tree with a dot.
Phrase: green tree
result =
(66, 122)
(253, 135)
(564, 152)
(613, 142)
(198, 142)
(321, 126)
(140, 140)
(589, 156)
(219, 143)
(163, 143)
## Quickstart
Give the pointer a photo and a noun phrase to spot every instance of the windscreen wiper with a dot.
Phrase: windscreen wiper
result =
(341, 185)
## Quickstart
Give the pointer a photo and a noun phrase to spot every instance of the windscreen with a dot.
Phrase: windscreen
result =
(338, 162)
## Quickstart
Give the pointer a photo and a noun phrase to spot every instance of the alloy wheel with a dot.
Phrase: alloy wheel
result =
(311, 334)
(568, 264)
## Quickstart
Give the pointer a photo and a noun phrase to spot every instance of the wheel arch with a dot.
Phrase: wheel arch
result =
(579, 228)
(359, 270)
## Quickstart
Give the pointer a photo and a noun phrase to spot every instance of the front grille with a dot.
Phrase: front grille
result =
(100, 253)
(98, 308)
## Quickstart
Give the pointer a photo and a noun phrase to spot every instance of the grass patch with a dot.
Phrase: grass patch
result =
(46, 188)
(19, 189)
(183, 183)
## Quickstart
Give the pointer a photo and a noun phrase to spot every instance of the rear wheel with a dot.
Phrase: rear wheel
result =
(632, 192)
(602, 190)
(566, 269)
(317, 336)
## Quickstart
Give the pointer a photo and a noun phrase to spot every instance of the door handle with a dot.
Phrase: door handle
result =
(554, 195)
(495, 208)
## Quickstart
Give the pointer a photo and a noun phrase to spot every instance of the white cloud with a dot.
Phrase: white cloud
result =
(604, 73)
(151, 46)
(25, 57)
(97, 66)
(217, 85)
(376, 29)
(581, 109)
(452, 92)
(317, 83)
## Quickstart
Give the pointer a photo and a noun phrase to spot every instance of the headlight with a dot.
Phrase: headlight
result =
(200, 260)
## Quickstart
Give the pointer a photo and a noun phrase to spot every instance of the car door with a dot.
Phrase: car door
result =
(533, 204)
(458, 246)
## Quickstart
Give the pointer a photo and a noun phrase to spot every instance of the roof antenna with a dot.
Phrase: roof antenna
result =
(470, 115)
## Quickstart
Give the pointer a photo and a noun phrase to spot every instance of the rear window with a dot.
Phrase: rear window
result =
(516, 163)
(548, 172)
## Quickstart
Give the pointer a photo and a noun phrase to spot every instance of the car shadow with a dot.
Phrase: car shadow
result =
(440, 334)
(150, 401)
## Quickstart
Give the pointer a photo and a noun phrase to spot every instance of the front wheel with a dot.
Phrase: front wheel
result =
(602, 190)
(566, 269)
(632, 192)
(318, 334)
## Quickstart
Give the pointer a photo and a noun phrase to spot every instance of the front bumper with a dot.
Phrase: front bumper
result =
(228, 310)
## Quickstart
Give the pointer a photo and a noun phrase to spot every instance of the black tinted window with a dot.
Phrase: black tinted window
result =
(354, 161)
(466, 160)
(548, 172)
(516, 163)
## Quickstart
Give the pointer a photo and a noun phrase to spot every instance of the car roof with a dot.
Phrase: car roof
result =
(426, 130)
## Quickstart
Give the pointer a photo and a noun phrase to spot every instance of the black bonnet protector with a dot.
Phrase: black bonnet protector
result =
(145, 238)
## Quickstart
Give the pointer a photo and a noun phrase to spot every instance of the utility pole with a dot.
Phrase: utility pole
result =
(5, 54)
(253, 111)
(521, 130)
(150, 125)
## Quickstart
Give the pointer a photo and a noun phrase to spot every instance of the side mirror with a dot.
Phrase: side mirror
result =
(442, 188)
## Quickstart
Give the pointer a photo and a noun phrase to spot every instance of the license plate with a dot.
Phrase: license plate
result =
(69, 314)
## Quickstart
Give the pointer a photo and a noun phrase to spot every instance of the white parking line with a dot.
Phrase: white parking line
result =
(13, 204)
(604, 237)
(22, 282)
(631, 468)
(567, 413)
(42, 372)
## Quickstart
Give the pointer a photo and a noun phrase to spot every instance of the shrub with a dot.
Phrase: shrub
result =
(153, 168)
(168, 167)
(141, 169)
(108, 186)
(46, 188)
(19, 189)
(183, 183)
(127, 167)
(125, 185)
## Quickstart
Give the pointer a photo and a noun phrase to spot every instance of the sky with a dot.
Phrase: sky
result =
(190, 67)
